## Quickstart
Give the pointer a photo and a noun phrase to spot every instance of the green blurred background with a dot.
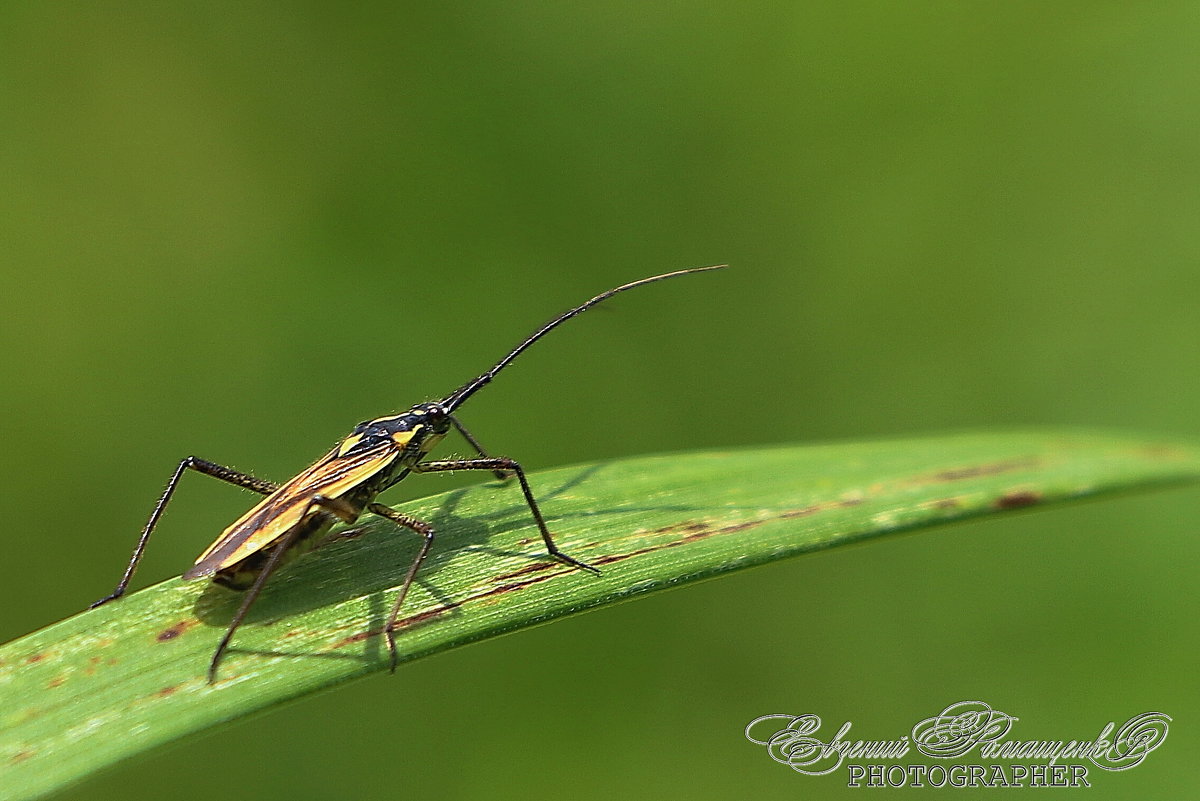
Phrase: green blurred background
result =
(236, 229)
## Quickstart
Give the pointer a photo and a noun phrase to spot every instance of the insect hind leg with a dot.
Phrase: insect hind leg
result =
(204, 466)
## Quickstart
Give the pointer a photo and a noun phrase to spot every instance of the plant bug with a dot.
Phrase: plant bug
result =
(343, 484)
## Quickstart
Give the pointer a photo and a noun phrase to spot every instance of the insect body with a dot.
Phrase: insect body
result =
(342, 485)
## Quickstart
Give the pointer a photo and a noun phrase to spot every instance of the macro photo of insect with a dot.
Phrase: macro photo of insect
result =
(612, 400)
(343, 484)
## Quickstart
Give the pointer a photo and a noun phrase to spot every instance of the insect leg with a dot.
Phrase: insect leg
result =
(503, 475)
(507, 465)
(426, 531)
(190, 463)
(333, 506)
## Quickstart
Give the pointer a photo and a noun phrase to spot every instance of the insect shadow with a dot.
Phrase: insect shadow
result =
(369, 559)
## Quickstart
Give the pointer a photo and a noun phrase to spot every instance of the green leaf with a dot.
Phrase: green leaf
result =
(113, 682)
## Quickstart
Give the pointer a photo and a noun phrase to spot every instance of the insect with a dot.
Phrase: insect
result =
(342, 485)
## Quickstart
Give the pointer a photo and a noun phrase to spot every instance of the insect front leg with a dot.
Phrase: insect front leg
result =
(503, 463)
(426, 531)
(190, 463)
(503, 475)
(333, 506)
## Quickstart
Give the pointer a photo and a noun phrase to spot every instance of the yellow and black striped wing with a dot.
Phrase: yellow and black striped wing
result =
(332, 476)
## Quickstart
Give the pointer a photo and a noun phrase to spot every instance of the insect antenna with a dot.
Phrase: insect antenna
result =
(456, 398)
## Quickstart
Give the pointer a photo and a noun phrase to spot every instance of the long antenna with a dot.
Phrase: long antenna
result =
(456, 398)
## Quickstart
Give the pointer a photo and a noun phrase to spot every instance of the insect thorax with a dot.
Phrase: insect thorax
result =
(415, 431)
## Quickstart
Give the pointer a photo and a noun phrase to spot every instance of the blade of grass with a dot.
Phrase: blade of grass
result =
(110, 683)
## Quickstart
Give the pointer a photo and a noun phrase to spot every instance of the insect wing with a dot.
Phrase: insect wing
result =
(331, 477)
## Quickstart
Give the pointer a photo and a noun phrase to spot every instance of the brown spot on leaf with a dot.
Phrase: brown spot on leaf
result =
(21, 756)
(823, 506)
(165, 691)
(172, 632)
(57, 681)
(1161, 451)
(524, 571)
(977, 470)
(423, 617)
(707, 531)
(673, 527)
(515, 585)
(353, 638)
(1017, 499)
(35, 658)
(696, 534)
(802, 512)
(735, 527)
(404, 622)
